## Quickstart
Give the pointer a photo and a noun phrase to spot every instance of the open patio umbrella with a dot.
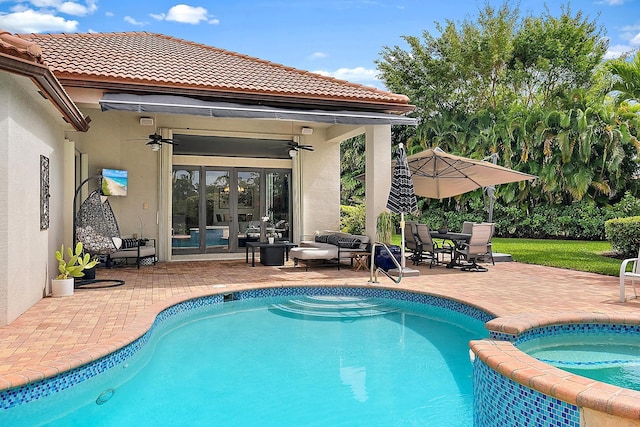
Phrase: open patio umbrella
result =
(402, 198)
(438, 175)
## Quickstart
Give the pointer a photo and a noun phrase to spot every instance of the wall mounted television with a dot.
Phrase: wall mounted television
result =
(114, 182)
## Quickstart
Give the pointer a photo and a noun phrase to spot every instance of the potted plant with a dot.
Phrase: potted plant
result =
(62, 285)
(384, 227)
(271, 236)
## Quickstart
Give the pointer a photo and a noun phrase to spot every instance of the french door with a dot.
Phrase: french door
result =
(220, 209)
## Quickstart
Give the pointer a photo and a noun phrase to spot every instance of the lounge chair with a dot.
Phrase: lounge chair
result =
(430, 250)
(477, 247)
(633, 275)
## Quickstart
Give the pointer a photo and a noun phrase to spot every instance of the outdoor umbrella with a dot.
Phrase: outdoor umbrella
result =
(438, 175)
(402, 198)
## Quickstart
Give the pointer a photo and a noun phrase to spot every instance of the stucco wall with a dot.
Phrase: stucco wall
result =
(27, 259)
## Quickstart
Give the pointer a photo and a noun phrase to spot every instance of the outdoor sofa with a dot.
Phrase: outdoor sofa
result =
(330, 246)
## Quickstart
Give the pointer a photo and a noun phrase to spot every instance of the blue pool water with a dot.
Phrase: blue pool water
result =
(613, 358)
(322, 361)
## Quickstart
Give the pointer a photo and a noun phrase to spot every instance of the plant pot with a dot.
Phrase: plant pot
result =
(62, 287)
(271, 239)
(89, 274)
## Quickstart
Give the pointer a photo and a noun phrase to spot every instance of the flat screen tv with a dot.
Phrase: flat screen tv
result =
(114, 182)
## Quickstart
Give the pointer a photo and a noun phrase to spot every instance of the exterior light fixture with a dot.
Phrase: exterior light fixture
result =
(155, 146)
(306, 131)
(293, 153)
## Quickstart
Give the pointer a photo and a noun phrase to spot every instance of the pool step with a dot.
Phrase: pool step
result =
(333, 307)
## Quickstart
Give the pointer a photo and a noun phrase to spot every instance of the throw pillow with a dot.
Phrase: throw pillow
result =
(349, 243)
(129, 243)
(322, 238)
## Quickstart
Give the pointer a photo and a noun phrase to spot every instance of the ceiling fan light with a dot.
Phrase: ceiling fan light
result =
(293, 152)
(155, 146)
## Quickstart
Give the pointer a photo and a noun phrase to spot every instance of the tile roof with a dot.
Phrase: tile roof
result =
(24, 58)
(160, 62)
(19, 48)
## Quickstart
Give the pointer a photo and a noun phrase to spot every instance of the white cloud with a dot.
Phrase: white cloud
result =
(360, 75)
(132, 21)
(317, 55)
(187, 14)
(617, 51)
(30, 21)
(78, 9)
(612, 2)
(67, 7)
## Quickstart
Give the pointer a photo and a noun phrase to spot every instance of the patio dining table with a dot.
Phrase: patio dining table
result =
(458, 240)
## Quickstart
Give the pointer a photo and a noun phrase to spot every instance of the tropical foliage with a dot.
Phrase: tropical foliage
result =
(536, 91)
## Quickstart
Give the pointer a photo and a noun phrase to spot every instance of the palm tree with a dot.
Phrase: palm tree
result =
(626, 79)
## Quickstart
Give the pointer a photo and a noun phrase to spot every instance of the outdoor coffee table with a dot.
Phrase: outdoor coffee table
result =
(270, 253)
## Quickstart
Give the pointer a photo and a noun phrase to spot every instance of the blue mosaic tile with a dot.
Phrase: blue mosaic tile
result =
(576, 328)
(500, 401)
(36, 390)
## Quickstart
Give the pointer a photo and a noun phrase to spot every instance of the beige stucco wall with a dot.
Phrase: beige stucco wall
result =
(27, 130)
(117, 140)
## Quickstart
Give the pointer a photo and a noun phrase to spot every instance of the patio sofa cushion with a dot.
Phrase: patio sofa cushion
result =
(338, 245)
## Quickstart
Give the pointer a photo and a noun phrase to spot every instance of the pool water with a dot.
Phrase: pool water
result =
(321, 361)
(609, 358)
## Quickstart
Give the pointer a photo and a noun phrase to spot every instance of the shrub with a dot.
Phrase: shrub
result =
(352, 219)
(624, 235)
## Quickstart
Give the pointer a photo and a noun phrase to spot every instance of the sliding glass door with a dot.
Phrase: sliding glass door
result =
(220, 209)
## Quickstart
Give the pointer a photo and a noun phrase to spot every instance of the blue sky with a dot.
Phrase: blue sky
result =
(341, 38)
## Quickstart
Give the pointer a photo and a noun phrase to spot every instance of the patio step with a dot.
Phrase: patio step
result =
(333, 307)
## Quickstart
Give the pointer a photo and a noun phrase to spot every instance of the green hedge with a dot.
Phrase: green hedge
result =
(579, 221)
(624, 235)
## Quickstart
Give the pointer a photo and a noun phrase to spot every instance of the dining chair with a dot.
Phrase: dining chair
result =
(477, 246)
(412, 242)
(431, 250)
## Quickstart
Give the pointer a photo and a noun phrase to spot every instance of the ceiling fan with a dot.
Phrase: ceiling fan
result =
(156, 140)
(293, 145)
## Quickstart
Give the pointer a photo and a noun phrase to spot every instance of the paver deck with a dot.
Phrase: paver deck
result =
(62, 333)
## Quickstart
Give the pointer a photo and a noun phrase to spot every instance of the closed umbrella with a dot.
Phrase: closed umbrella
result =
(439, 175)
(402, 198)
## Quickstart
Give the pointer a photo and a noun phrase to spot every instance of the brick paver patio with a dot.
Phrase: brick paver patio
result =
(62, 333)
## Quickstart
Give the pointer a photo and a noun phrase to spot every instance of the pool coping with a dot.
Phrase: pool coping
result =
(506, 359)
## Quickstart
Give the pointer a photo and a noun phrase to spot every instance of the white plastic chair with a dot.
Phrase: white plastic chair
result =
(634, 275)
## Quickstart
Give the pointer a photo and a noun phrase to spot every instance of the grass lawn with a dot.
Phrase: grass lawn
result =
(571, 254)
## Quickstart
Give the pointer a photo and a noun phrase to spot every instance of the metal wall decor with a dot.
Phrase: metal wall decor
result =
(44, 193)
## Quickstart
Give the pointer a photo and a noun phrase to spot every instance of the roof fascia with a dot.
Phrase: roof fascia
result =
(46, 81)
(275, 100)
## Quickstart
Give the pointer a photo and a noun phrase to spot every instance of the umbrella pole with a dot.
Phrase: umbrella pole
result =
(402, 259)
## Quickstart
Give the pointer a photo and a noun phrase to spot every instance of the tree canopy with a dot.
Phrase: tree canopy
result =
(523, 87)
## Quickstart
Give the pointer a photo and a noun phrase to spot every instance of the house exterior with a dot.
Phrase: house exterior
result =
(211, 141)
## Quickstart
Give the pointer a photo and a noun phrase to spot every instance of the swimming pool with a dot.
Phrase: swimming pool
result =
(606, 353)
(326, 356)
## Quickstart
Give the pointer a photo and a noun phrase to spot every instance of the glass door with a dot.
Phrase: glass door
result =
(277, 203)
(248, 205)
(185, 237)
(220, 210)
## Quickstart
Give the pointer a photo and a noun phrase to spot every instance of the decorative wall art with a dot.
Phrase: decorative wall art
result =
(44, 193)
